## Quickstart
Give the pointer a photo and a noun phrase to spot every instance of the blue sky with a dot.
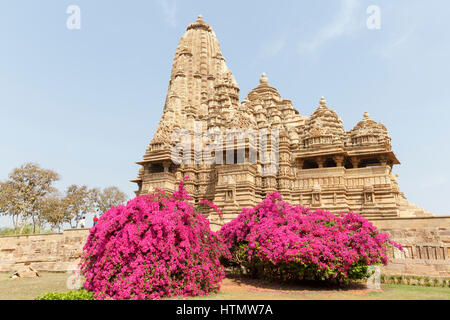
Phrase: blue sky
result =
(86, 102)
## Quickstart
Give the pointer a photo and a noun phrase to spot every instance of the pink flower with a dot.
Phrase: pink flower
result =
(156, 246)
(275, 233)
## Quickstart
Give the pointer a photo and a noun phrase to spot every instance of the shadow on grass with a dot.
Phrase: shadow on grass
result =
(291, 285)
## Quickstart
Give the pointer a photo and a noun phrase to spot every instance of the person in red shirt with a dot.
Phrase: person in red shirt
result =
(95, 220)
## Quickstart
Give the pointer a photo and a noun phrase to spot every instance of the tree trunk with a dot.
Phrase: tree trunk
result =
(21, 229)
(22, 225)
(34, 225)
(14, 219)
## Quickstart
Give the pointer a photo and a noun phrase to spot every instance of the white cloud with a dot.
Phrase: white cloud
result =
(272, 48)
(394, 45)
(169, 8)
(343, 24)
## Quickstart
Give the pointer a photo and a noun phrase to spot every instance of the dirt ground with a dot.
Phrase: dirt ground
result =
(28, 289)
(237, 289)
(249, 289)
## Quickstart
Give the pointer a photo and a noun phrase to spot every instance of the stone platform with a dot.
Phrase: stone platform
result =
(426, 241)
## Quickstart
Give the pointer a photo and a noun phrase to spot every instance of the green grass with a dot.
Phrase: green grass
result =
(406, 292)
(234, 289)
(71, 295)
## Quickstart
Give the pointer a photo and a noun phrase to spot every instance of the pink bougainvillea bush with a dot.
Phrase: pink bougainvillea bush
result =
(277, 240)
(153, 247)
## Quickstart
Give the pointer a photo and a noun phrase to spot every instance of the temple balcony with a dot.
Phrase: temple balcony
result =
(161, 180)
(337, 177)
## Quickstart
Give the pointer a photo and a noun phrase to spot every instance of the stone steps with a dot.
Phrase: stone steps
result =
(408, 209)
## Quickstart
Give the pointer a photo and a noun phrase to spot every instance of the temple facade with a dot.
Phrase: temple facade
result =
(318, 163)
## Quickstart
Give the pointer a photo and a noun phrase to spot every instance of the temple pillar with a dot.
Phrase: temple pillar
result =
(320, 161)
(166, 165)
(355, 162)
(339, 161)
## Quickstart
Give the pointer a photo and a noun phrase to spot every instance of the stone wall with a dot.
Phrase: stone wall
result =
(426, 241)
(44, 252)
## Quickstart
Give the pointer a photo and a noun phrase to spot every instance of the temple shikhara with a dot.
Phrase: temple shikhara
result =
(319, 163)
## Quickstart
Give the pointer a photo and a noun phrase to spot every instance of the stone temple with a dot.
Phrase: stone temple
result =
(320, 165)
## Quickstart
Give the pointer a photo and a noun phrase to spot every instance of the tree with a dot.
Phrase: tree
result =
(77, 203)
(109, 197)
(28, 196)
(53, 210)
(7, 203)
(20, 195)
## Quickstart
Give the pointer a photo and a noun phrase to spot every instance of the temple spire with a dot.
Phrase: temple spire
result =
(198, 71)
